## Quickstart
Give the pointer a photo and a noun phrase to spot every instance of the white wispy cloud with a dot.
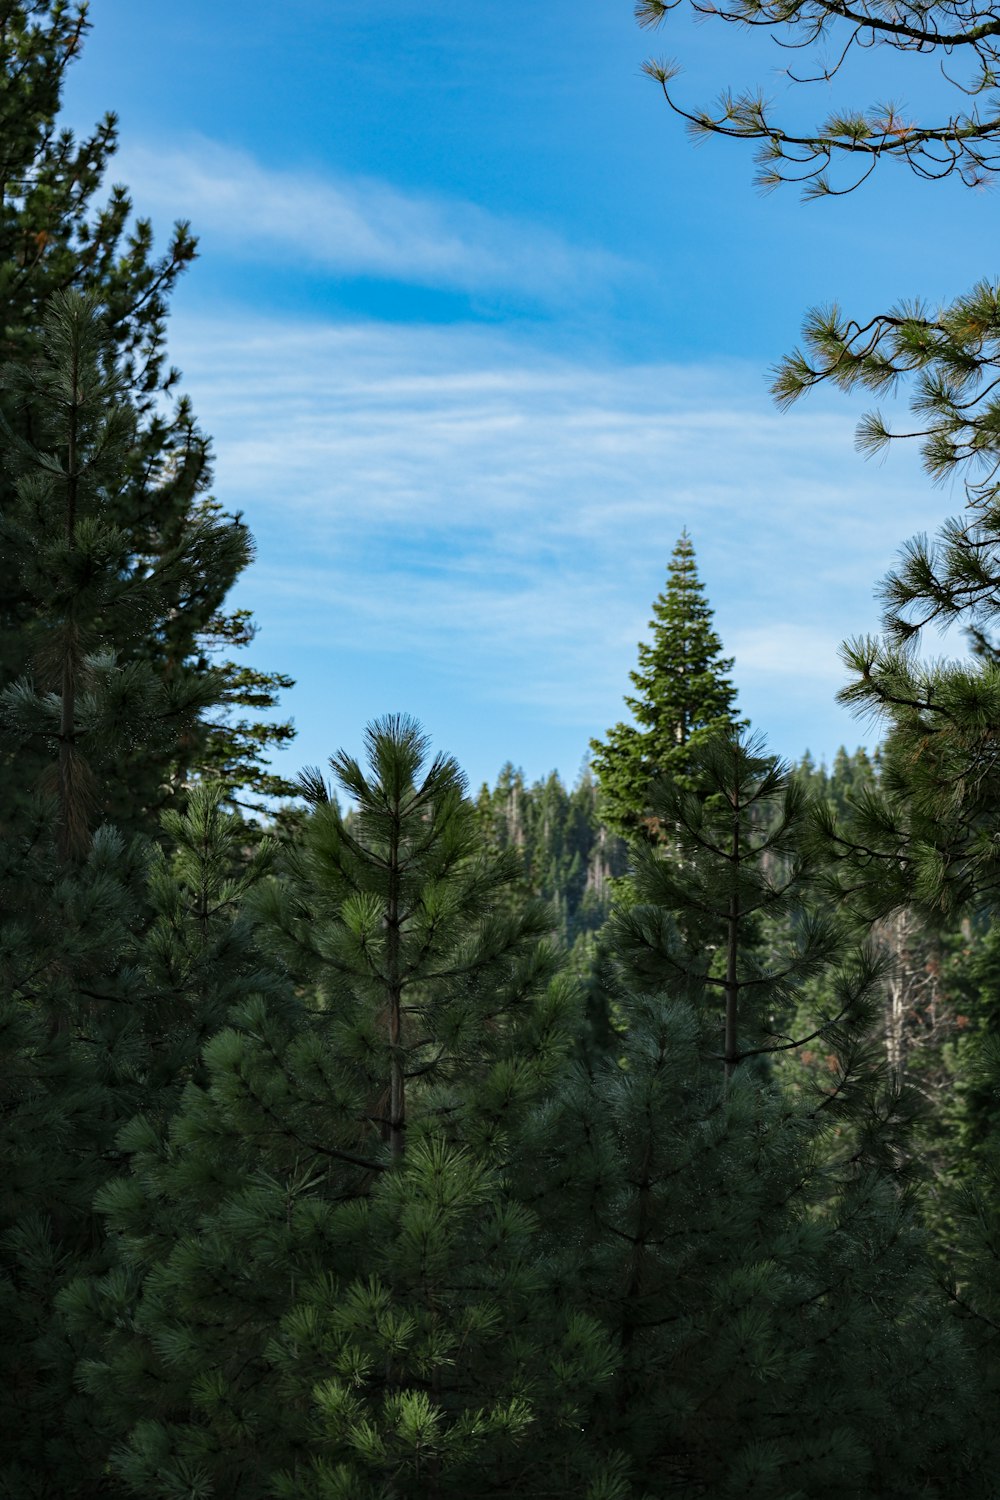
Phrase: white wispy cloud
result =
(788, 652)
(356, 226)
(500, 519)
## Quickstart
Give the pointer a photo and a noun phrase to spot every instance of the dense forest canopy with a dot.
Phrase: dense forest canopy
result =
(625, 1140)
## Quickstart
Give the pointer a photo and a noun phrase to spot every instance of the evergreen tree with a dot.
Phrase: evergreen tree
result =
(971, 978)
(199, 951)
(917, 1017)
(235, 748)
(93, 1024)
(777, 1325)
(740, 830)
(922, 843)
(850, 773)
(569, 857)
(683, 694)
(326, 1288)
(930, 828)
(923, 834)
(754, 1259)
(70, 987)
(54, 237)
(89, 699)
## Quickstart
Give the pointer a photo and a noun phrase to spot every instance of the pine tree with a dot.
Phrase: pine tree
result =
(922, 843)
(917, 1020)
(850, 773)
(70, 988)
(324, 1276)
(683, 694)
(778, 1331)
(53, 237)
(115, 968)
(94, 1026)
(90, 698)
(742, 853)
(931, 828)
(198, 949)
(77, 1035)
(234, 749)
(962, 140)
(971, 978)
(569, 857)
(752, 1256)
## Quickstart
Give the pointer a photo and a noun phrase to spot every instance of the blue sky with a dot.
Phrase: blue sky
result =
(477, 331)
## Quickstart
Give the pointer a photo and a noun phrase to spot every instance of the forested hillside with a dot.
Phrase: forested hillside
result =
(615, 1142)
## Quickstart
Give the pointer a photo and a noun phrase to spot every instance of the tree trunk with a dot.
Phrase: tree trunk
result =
(397, 1081)
(732, 989)
(72, 821)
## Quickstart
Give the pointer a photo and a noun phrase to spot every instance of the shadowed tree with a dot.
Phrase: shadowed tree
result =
(753, 1255)
(88, 698)
(325, 1286)
(56, 235)
(94, 1022)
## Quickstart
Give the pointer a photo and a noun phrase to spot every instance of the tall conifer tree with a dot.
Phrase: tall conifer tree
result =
(55, 234)
(88, 1033)
(683, 693)
(323, 1273)
(89, 698)
(760, 1271)
(740, 825)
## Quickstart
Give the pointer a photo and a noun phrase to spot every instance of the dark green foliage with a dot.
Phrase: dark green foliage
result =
(971, 1277)
(838, 786)
(573, 861)
(562, 1282)
(931, 1006)
(85, 1040)
(741, 853)
(398, 916)
(751, 1253)
(365, 1228)
(52, 236)
(325, 1226)
(235, 748)
(924, 835)
(777, 1326)
(927, 839)
(89, 699)
(52, 239)
(116, 967)
(69, 980)
(568, 856)
(972, 978)
(683, 693)
(200, 954)
(964, 1214)
(951, 358)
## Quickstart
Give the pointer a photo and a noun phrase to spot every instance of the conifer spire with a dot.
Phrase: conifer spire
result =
(683, 692)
